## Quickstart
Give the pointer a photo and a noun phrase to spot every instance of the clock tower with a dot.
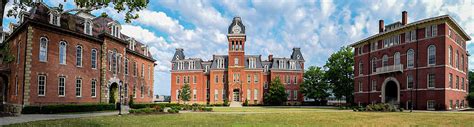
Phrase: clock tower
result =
(236, 41)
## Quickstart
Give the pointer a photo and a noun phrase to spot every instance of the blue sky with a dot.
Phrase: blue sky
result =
(319, 27)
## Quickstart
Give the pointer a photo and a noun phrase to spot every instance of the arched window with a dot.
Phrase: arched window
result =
(43, 54)
(396, 58)
(236, 61)
(450, 55)
(62, 52)
(384, 60)
(431, 55)
(410, 58)
(374, 64)
(94, 58)
(79, 56)
(114, 61)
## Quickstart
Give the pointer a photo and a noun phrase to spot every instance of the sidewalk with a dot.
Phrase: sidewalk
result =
(37, 117)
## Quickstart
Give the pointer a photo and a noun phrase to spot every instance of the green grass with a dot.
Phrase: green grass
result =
(273, 116)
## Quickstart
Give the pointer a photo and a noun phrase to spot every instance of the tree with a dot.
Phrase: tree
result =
(340, 73)
(470, 99)
(471, 81)
(276, 94)
(82, 5)
(314, 85)
(185, 93)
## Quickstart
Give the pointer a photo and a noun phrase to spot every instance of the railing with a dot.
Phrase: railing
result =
(389, 69)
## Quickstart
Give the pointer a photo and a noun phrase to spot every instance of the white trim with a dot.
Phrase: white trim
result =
(82, 58)
(59, 82)
(39, 54)
(44, 86)
(384, 85)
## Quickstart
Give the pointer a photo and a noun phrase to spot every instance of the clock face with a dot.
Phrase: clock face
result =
(236, 29)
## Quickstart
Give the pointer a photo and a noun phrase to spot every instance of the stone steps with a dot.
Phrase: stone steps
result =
(235, 104)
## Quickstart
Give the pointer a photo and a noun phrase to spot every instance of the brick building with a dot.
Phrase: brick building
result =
(63, 58)
(235, 77)
(424, 63)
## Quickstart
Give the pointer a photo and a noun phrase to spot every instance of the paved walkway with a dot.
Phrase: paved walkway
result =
(37, 117)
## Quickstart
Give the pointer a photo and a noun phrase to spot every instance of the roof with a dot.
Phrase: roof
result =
(74, 23)
(463, 33)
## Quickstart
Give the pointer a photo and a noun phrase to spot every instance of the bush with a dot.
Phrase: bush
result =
(226, 103)
(381, 107)
(246, 103)
(53, 109)
(470, 99)
(173, 111)
(143, 110)
(206, 109)
(152, 105)
(130, 103)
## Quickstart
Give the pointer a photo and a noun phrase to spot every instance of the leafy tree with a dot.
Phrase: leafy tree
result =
(276, 94)
(471, 81)
(185, 93)
(470, 99)
(340, 73)
(130, 8)
(314, 85)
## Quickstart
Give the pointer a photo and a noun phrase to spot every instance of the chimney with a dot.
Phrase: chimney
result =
(270, 57)
(381, 26)
(404, 17)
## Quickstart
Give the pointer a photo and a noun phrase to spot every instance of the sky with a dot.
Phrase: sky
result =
(318, 27)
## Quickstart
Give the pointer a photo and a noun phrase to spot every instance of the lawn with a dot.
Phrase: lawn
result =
(273, 116)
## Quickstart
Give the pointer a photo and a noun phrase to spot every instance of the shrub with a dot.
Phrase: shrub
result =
(226, 103)
(381, 107)
(53, 109)
(206, 109)
(143, 110)
(246, 103)
(130, 103)
(470, 99)
(152, 105)
(173, 111)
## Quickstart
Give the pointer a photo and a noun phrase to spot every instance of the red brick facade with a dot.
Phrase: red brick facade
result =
(235, 77)
(383, 73)
(34, 81)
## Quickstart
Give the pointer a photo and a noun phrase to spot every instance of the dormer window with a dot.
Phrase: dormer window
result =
(252, 63)
(21, 18)
(145, 51)
(281, 64)
(131, 46)
(54, 17)
(88, 27)
(115, 29)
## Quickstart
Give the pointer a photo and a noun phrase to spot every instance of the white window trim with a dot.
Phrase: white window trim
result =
(44, 89)
(51, 15)
(88, 22)
(428, 82)
(81, 56)
(95, 88)
(428, 58)
(94, 61)
(80, 88)
(46, 55)
(64, 86)
(65, 53)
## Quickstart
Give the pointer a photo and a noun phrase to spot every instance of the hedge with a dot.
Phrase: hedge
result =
(53, 109)
(153, 105)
